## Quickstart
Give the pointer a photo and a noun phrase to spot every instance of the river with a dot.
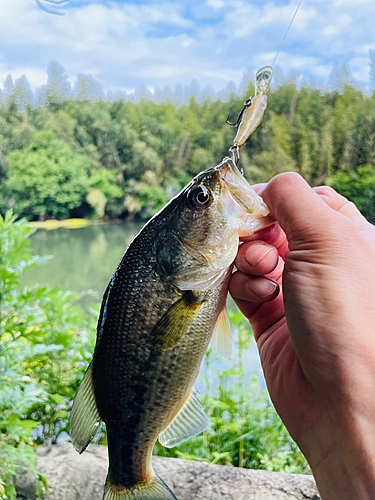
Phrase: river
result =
(84, 261)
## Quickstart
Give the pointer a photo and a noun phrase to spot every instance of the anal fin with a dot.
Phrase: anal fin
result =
(190, 421)
(221, 340)
(84, 418)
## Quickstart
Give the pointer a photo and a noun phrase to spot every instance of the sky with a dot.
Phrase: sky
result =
(130, 44)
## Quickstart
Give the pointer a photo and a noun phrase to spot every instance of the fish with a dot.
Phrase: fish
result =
(164, 305)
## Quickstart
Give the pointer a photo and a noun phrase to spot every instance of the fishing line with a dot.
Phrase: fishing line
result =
(287, 31)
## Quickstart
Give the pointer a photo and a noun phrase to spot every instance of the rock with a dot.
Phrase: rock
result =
(81, 477)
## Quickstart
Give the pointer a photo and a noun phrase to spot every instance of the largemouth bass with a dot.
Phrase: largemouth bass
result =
(163, 304)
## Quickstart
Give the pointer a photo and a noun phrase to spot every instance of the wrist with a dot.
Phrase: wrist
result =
(341, 477)
(343, 460)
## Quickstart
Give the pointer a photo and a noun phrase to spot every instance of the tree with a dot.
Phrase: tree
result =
(8, 92)
(23, 95)
(359, 187)
(46, 178)
(58, 88)
(86, 87)
(372, 68)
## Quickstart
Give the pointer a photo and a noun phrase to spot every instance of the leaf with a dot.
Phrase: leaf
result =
(44, 349)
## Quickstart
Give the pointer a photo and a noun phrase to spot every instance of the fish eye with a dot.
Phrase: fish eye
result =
(199, 197)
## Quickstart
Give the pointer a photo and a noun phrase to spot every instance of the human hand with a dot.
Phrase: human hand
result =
(317, 339)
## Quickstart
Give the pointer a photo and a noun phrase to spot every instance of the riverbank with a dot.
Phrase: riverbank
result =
(68, 223)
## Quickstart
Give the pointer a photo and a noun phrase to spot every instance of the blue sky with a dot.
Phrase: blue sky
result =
(128, 44)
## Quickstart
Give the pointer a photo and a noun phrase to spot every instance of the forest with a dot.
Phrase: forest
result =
(79, 153)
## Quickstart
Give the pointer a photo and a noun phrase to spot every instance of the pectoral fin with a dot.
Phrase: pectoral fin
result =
(84, 418)
(190, 421)
(176, 322)
(221, 340)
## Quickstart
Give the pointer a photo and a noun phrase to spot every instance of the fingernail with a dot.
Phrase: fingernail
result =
(262, 189)
(262, 287)
(324, 197)
(256, 253)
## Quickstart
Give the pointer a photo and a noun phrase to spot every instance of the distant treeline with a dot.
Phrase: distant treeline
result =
(66, 155)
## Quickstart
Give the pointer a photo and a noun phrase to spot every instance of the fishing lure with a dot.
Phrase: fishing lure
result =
(252, 113)
(254, 108)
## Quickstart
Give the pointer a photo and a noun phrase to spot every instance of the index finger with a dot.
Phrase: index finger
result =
(272, 235)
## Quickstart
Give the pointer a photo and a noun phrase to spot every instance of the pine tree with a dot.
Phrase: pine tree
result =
(372, 68)
(58, 89)
(22, 93)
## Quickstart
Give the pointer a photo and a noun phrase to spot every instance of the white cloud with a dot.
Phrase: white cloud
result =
(351, 3)
(224, 76)
(216, 4)
(159, 72)
(330, 31)
(125, 45)
(187, 42)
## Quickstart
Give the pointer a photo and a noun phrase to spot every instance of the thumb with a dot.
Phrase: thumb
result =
(302, 214)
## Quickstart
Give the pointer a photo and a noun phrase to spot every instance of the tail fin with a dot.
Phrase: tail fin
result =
(156, 489)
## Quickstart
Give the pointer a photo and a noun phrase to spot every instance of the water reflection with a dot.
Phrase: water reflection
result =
(84, 259)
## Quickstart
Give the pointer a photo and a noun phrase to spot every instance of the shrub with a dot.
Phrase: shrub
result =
(47, 179)
(359, 187)
(45, 344)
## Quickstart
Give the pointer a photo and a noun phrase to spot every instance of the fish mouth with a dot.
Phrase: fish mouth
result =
(240, 199)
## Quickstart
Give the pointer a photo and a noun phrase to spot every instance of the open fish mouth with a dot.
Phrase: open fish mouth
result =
(240, 200)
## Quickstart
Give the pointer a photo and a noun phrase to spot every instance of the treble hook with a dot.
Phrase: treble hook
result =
(253, 110)
(237, 123)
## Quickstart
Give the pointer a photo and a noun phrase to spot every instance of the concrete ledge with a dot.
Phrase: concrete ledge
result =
(81, 477)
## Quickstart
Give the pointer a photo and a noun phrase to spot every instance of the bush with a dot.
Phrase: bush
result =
(359, 187)
(45, 344)
(47, 179)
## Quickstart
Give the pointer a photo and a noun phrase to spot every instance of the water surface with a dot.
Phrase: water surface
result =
(83, 259)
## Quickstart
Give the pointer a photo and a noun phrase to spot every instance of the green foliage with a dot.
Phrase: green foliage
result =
(145, 197)
(112, 146)
(52, 176)
(245, 430)
(96, 199)
(359, 187)
(45, 344)
(103, 191)
(105, 181)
